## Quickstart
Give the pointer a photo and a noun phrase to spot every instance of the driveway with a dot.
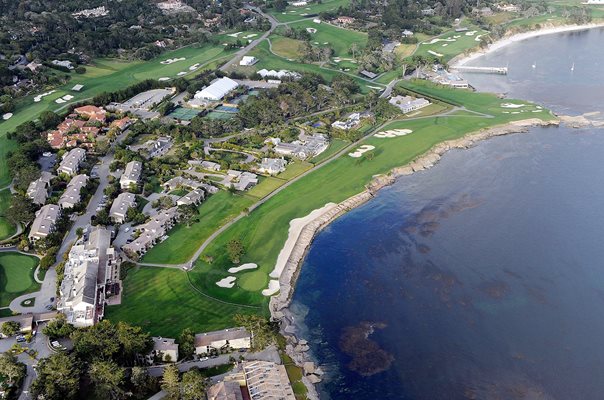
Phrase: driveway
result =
(47, 291)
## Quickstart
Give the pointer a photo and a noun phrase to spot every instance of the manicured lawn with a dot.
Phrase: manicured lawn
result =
(16, 276)
(183, 240)
(6, 228)
(296, 13)
(286, 47)
(267, 185)
(451, 43)
(162, 301)
(335, 146)
(294, 168)
(338, 39)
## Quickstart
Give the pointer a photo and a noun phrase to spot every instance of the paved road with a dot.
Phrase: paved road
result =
(386, 93)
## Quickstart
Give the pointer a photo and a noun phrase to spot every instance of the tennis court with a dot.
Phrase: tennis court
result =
(185, 114)
(219, 115)
(227, 109)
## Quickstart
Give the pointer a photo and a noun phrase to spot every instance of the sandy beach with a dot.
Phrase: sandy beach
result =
(506, 41)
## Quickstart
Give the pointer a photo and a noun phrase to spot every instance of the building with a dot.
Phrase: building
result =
(407, 103)
(352, 121)
(165, 349)
(120, 207)
(62, 63)
(70, 164)
(217, 90)
(515, 8)
(37, 190)
(71, 197)
(89, 269)
(240, 180)
(194, 197)
(93, 113)
(344, 20)
(225, 390)
(234, 338)
(45, 222)
(283, 73)
(248, 60)
(368, 74)
(151, 232)
(307, 146)
(154, 148)
(272, 165)
(121, 124)
(131, 175)
(407, 33)
(299, 3)
(210, 166)
(180, 182)
(267, 381)
(26, 323)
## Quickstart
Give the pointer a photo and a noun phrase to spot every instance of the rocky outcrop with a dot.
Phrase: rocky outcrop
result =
(583, 121)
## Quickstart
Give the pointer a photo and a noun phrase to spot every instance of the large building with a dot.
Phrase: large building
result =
(272, 166)
(234, 338)
(70, 164)
(307, 146)
(225, 390)
(217, 90)
(131, 175)
(45, 222)
(37, 190)
(72, 196)
(165, 349)
(267, 381)
(408, 104)
(91, 265)
(151, 232)
(120, 207)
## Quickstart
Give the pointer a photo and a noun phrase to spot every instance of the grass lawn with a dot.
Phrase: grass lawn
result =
(267, 185)
(16, 276)
(295, 13)
(183, 240)
(451, 43)
(338, 39)
(286, 47)
(294, 168)
(162, 301)
(334, 146)
(6, 228)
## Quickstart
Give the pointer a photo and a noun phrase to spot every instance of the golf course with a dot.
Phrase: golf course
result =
(16, 276)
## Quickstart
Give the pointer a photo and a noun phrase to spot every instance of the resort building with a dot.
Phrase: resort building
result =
(248, 60)
(352, 121)
(37, 190)
(45, 222)
(225, 390)
(120, 207)
(90, 267)
(239, 180)
(307, 146)
(234, 338)
(154, 148)
(272, 166)
(267, 381)
(71, 197)
(194, 197)
(165, 349)
(408, 104)
(93, 113)
(70, 164)
(217, 90)
(131, 175)
(151, 232)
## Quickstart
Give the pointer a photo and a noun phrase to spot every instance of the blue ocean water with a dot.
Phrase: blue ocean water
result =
(483, 277)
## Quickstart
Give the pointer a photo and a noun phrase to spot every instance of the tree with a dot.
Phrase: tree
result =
(21, 210)
(193, 385)
(58, 378)
(262, 330)
(58, 328)
(133, 339)
(186, 344)
(102, 218)
(96, 342)
(235, 250)
(141, 381)
(107, 377)
(11, 369)
(10, 328)
(49, 119)
(170, 382)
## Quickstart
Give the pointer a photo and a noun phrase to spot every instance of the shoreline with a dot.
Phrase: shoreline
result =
(297, 347)
(462, 59)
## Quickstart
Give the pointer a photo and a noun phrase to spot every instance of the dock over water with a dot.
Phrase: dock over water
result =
(485, 70)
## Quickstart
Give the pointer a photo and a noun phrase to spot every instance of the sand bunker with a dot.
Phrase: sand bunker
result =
(251, 35)
(242, 267)
(38, 98)
(477, 38)
(435, 53)
(67, 97)
(362, 149)
(471, 33)
(7, 116)
(273, 287)
(445, 45)
(311, 30)
(194, 67)
(59, 101)
(512, 105)
(393, 133)
(227, 282)
(163, 79)
(182, 73)
(172, 60)
(453, 39)
(235, 34)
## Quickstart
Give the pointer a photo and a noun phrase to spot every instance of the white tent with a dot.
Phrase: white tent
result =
(217, 90)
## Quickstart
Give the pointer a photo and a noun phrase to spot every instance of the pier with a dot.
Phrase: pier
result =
(484, 70)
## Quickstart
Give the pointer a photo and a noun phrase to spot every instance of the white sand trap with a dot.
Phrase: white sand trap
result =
(515, 112)
(362, 149)
(194, 67)
(456, 36)
(355, 154)
(235, 34)
(242, 267)
(477, 38)
(315, 42)
(505, 112)
(67, 97)
(471, 33)
(59, 101)
(182, 73)
(7, 116)
(376, 87)
(337, 61)
(311, 30)
(251, 35)
(445, 45)
(512, 105)
(273, 287)
(172, 60)
(325, 42)
(163, 79)
(435, 53)
(366, 147)
(295, 229)
(38, 98)
(440, 40)
(536, 111)
(227, 282)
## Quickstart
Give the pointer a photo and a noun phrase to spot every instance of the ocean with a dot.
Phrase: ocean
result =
(483, 277)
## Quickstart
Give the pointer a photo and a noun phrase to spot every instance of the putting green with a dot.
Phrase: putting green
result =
(16, 276)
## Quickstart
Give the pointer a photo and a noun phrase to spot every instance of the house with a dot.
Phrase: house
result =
(307, 146)
(240, 180)
(194, 197)
(179, 181)
(131, 175)
(407, 103)
(210, 166)
(154, 148)
(71, 197)
(70, 164)
(121, 124)
(407, 33)
(151, 232)
(91, 265)
(344, 20)
(266, 380)
(165, 349)
(248, 60)
(26, 323)
(37, 190)
(217, 90)
(120, 207)
(62, 63)
(368, 74)
(93, 113)
(352, 121)
(45, 222)
(234, 338)
(515, 8)
(428, 12)
(225, 390)
(272, 166)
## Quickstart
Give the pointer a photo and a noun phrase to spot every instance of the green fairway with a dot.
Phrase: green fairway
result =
(16, 276)
(6, 228)
(451, 43)
(338, 39)
(335, 146)
(162, 301)
(286, 47)
(295, 13)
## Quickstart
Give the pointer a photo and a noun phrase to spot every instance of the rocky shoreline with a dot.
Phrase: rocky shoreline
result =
(297, 348)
